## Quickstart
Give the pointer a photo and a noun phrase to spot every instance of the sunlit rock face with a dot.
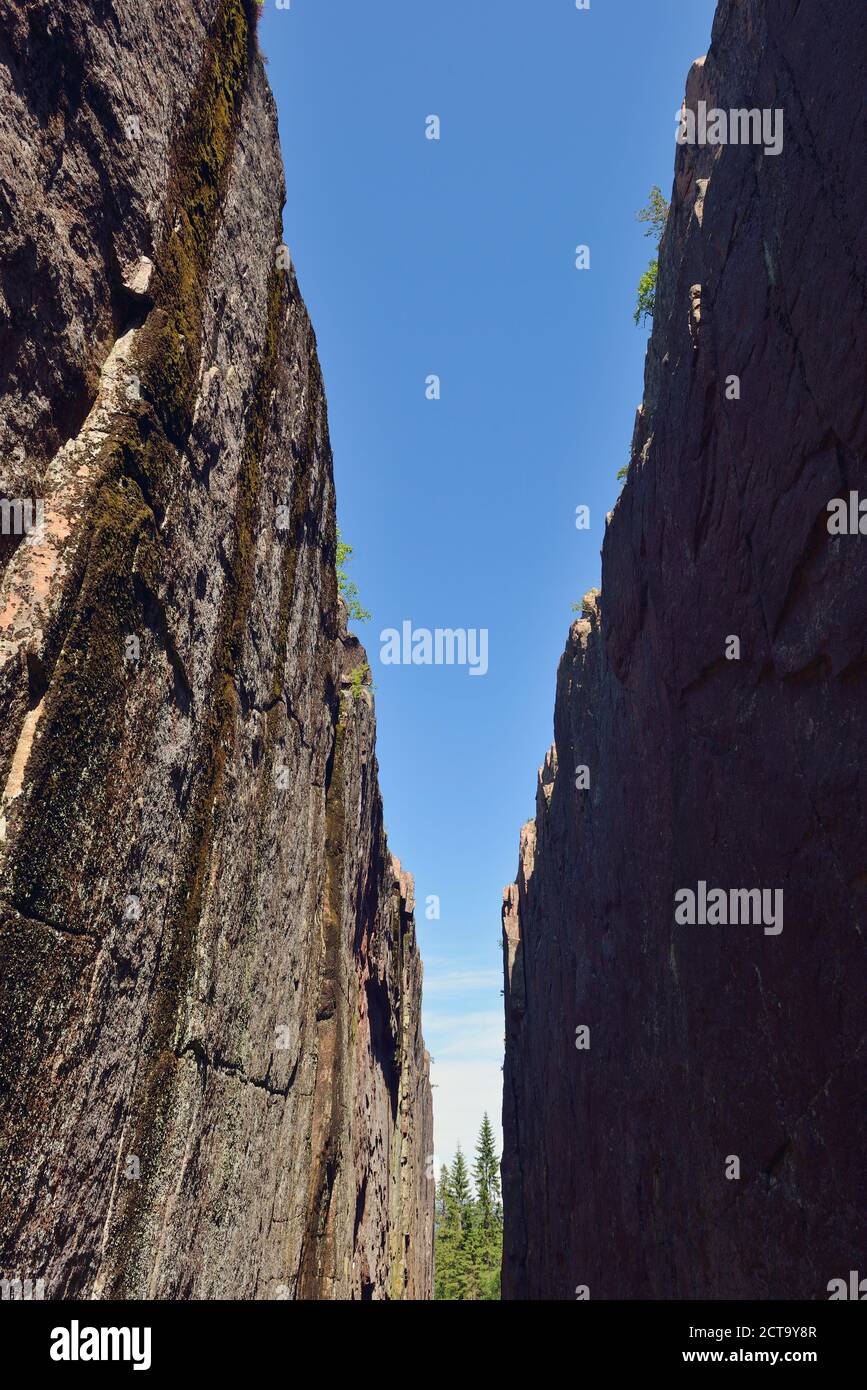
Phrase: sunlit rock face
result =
(212, 1076)
(644, 1054)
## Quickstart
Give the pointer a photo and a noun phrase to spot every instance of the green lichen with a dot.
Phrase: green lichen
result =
(214, 740)
(117, 567)
(300, 512)
(171, 340)
(70, 773)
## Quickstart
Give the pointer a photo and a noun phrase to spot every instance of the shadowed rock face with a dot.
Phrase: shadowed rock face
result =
(212, 1077)
(713, 1041)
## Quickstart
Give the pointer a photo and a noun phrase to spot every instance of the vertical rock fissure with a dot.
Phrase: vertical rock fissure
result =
(317, 1268)
(175, 967)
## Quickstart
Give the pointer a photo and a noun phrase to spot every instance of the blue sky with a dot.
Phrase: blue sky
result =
(457, 258)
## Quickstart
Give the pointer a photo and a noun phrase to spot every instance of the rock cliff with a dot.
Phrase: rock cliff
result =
(212, 1076)
(738, 768)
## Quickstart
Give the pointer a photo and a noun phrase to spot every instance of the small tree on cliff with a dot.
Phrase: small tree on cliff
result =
(654, 214)
(347, 588)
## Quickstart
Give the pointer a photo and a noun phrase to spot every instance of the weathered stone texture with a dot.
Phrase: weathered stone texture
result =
(209, 961)
(710, 1041)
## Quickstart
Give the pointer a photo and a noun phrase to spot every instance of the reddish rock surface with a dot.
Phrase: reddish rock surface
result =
(714, 1041)
(212, 1076)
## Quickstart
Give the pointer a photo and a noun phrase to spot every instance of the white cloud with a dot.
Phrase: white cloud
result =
(466, 1045)
(459, 981)
(464, 1091)
(467, 1049)
(469, 1037)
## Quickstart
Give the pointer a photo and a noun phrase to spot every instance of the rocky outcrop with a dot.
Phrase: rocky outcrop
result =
(707, 1044)
(212, 1078)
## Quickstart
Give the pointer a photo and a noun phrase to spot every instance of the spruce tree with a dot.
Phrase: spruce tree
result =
(465, 1281)
(460, 1182)
(444, 1238)
(486, 1174)
(469, 1225)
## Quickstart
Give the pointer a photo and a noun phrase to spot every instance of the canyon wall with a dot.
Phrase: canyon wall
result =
(212, 1076)
(710, 1043)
